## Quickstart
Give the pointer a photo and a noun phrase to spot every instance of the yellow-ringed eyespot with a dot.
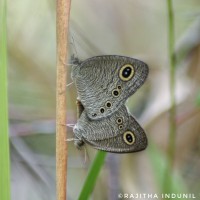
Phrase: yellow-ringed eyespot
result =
(119, 120)
(115, 93)
(108, 104)
(120, 126)
(129, 137)
(126, 72)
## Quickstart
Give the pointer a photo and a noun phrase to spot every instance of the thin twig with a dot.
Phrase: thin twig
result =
(62, 24)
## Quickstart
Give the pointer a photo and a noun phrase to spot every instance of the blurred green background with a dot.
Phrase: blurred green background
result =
(135, 28)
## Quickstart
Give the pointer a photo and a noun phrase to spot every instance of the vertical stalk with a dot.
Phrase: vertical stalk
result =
(172, 113)
(172, 137)
(62, 26)
(4, 134)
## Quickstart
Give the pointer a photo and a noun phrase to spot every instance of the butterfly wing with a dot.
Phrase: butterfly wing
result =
(105, 82)
(118, 133)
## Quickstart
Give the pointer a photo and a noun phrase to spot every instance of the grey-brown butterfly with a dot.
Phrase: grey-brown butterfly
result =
(118, 133)
(105, 82)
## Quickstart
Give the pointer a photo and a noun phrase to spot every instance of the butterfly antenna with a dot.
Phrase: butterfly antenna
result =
(75, 50)
(74, 57)
(86, 156)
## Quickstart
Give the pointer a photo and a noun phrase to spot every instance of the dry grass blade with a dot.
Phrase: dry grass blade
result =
(63, 10)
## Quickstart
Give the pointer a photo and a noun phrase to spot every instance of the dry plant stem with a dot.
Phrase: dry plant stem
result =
(172, 113)
(62, 24)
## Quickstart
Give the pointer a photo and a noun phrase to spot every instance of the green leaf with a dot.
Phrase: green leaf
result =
(92, 175)
(4, 136)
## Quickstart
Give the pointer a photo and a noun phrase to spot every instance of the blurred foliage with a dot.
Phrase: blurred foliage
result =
(135, 28)
(198, 99)
(4, 135)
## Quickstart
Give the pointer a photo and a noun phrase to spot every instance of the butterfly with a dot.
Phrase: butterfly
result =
(103, 84)
(119, 132)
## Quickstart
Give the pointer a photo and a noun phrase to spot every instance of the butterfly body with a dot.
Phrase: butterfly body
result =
(103, 84)
(100, 84)
(110, 133)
